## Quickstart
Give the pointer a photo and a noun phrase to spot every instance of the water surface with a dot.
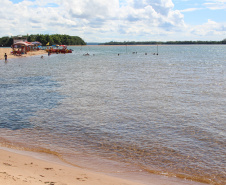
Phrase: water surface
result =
(160, 114)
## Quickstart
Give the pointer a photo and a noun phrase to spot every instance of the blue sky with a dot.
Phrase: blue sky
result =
(202, 11)
(116, 20)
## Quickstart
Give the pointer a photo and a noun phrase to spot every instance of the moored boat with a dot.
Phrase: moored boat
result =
(58, 49)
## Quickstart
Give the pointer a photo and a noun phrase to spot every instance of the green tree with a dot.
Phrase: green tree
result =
(41, 38)
(31, 38)
(56, 39)
(224, 41)
(49, 39)
(6, 41)
(44, 39)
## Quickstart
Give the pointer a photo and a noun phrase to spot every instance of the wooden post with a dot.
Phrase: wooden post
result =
(157, 49)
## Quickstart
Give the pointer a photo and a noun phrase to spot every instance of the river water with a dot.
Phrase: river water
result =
(117, 112)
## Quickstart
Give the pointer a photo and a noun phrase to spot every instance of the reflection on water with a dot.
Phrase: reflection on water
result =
(161, 114)
(21, 97)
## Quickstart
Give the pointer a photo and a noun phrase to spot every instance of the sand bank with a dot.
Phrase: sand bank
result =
(9, 55)
(20, 169)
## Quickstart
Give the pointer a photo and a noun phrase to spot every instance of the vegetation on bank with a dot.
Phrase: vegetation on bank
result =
(167, 42)
(45, 39)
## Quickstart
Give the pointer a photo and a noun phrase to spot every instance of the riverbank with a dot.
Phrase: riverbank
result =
(21, 168)
(9, 55)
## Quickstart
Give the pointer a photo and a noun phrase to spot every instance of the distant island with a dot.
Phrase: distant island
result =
(161, 43)
(46, 40)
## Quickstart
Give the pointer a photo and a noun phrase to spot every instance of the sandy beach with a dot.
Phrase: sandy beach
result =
(22, 169)
(9, 55)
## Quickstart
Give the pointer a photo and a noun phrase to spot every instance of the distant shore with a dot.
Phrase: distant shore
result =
(164, 43)
(9, 55)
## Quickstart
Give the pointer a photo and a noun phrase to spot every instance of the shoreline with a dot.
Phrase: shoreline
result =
(21, 168)
(10, 56)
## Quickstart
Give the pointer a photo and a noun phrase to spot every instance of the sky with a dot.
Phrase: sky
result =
(116, 20)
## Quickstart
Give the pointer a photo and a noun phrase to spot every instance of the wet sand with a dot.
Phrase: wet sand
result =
(17, 168)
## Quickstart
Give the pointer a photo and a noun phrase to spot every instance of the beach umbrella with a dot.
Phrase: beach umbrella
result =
(21, 43)
(37, 43)
(29, 43)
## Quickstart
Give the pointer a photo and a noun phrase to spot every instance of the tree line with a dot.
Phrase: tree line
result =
(46, 39)
(166, 43)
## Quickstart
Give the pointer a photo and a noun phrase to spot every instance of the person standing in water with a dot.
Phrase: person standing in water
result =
(5, 57)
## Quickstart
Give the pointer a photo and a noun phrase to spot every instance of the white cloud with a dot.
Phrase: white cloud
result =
(215, 4)
(90, 8)
(209, 29)
(94, 20)
(190, 9)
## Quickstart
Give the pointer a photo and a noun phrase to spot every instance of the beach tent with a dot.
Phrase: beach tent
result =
(23, 47)
(21, 44)
(30, 46)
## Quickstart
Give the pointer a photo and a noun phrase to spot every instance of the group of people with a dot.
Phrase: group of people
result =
(87, 54)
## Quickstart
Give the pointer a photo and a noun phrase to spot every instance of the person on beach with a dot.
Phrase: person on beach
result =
(5, 57)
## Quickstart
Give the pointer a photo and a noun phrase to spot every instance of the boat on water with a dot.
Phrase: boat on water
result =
(58, 49)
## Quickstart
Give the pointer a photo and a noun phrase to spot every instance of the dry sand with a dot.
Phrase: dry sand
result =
(20, 169)
(9, 55)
